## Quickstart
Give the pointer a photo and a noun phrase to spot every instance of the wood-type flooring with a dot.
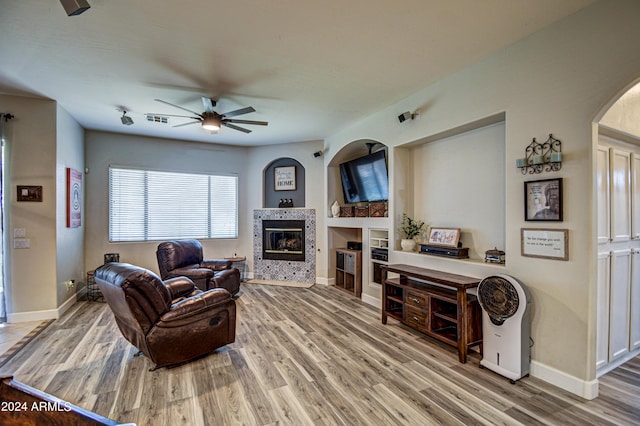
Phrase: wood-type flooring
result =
(303, 357)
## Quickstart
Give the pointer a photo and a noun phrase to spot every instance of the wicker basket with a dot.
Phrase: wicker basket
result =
(378, 209)
(361, 211)
(346, 211)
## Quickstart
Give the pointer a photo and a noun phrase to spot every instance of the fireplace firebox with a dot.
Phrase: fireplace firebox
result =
(283, 240)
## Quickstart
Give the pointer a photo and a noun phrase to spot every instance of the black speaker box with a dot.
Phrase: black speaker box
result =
(354, 245)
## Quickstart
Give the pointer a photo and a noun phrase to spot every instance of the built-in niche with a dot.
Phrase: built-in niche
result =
(352, 151)
(457, 180)
(284, 179)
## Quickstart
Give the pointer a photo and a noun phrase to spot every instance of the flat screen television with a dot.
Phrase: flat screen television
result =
(365, 179)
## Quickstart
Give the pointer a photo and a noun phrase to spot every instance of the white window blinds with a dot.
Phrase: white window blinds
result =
(149, 205)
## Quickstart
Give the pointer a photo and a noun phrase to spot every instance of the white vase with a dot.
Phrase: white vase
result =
(407, 245)
(335, 209)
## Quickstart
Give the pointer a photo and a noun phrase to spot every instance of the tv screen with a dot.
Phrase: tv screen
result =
(365, 178)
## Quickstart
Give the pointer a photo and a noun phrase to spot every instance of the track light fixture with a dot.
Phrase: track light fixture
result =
(75, 7)
(126, 120)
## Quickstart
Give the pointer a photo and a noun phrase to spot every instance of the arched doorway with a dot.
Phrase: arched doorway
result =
(617, 162)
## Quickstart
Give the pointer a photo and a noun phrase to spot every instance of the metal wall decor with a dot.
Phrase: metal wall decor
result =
(546, 156)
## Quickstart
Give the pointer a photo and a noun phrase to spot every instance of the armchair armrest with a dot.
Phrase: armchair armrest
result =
(192, 271)
(216, 264)
(197, 303)
(180, 287)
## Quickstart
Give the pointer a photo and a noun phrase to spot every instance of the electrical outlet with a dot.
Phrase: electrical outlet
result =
(70, 284)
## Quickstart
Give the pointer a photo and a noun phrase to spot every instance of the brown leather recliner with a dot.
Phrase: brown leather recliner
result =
(170, 322)
(184, 258)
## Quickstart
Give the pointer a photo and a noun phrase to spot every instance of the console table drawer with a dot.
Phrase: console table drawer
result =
(416, 318)
(418, 300)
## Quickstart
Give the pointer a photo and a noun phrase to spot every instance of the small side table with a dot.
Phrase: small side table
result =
(93, 292)
(240, 263)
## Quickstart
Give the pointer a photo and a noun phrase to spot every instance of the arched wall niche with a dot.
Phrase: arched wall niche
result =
(350, 151)
(272, 197)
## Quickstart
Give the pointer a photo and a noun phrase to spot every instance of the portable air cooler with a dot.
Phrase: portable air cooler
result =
(506, 326)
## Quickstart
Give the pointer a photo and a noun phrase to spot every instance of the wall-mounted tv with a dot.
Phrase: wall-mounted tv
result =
(365, 179)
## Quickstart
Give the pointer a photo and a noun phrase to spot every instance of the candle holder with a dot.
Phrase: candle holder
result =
(539, 157)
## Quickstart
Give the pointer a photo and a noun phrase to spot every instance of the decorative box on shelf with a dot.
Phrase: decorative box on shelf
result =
(346, 211)
(361, 211)
(378, 209)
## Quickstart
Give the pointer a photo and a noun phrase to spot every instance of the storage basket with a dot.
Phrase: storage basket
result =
(362, 211)
(378, 209)
(346, 211)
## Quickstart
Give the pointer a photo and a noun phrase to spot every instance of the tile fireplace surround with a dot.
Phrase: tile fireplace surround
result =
(285, 270)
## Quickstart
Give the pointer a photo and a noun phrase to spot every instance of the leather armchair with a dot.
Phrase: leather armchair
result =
(170, 322)
(184, 258)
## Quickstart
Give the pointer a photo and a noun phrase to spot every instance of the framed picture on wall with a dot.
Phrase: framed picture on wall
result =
(285, 178)
(543, 200)
(74, 198)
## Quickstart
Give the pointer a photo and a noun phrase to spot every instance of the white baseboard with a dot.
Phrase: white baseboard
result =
(370, 300)
(325, 281)
(42, 315)
(585, 389)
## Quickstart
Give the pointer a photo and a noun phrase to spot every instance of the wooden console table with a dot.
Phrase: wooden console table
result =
(435, 303)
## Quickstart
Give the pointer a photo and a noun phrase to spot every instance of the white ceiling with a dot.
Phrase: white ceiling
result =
(308, 68)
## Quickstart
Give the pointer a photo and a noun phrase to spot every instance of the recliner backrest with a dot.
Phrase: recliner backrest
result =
(178, 253)
(134, 294)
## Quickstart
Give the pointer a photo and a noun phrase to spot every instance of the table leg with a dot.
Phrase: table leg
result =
(462, 325)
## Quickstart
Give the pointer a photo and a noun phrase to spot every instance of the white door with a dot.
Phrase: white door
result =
(602, 188)
(635, 196)
(619, 305)
(602, 309)
(620, 195)
(634, 298)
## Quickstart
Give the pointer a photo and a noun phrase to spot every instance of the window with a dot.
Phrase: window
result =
(148, 205)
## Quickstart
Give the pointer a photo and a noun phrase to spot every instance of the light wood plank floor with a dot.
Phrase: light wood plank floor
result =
(302, 357)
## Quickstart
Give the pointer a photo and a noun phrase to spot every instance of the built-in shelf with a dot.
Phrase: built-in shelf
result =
(349, 271)
(379, 254)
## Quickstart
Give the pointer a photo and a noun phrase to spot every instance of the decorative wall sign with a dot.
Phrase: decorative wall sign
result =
(285, 178)
(545, 243)
(29, 193)
(74, 198)
(543, 200)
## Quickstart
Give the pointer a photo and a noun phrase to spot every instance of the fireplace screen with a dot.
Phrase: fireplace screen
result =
(283, 240)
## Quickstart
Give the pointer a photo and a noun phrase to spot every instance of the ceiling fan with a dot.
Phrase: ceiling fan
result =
(211, 120)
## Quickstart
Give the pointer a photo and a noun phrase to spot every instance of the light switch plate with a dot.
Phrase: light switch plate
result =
(19, 232)
(21, 243)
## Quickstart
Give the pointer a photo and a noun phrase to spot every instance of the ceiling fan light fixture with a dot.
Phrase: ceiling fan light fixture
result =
(211, 124)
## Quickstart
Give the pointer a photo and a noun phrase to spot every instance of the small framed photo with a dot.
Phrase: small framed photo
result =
(285, 178)
(543, 200)
(447, 237)
(29, 193)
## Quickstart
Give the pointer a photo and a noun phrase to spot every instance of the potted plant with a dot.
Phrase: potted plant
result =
(411, 229)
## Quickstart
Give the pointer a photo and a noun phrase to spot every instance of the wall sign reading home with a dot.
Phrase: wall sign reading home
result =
(285, 178)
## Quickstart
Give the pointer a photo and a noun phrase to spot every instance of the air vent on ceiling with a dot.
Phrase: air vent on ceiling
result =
(157, 119)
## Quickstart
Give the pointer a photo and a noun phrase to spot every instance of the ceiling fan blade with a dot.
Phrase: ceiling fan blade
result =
(178, 106)
(232, 126)
(257, 123)
(187, 124)
(240, 111)
(208, 103)
(171, 115)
